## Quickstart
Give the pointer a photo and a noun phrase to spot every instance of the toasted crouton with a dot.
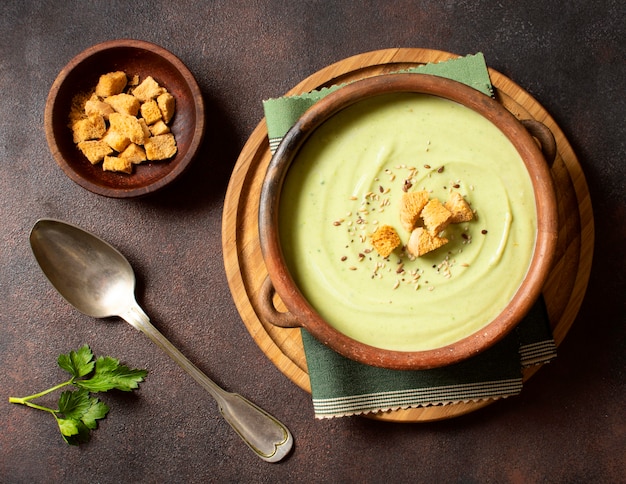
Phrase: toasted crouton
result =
(128, 126)
(115, 163)
(459, 208)
(167, 105)
(92, 127)
(160, 147)
(421, 242)
(111, 84)
(150, 112)
(123, 103)
(159, 128)
(117, 141)
(385, 239)
(148, 89)
(135, 153)
(436, 217)
(95, 150)
(411, 206)
(93, 105)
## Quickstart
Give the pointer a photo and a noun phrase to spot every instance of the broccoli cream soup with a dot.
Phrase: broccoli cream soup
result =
(349, 179)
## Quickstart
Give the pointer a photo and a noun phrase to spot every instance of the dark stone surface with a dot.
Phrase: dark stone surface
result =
(568, 425)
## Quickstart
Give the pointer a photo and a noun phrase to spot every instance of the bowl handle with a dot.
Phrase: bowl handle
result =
(545, 137)
(268, 310)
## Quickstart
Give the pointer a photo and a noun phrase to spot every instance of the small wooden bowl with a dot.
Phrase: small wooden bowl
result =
(300, 313)
(134, 57)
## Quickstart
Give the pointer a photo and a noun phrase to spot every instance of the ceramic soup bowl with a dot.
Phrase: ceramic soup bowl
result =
(384, 298)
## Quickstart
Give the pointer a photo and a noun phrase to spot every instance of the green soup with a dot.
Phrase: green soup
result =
(348, 179)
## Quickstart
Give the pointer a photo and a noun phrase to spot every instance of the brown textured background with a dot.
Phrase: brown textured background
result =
(568, 425)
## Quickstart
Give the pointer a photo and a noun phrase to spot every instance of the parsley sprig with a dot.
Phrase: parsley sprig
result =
(78, 411)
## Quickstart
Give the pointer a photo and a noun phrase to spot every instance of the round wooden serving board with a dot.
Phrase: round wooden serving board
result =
(246, 271)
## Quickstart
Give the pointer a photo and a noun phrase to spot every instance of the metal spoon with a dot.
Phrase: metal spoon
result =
(97, 280)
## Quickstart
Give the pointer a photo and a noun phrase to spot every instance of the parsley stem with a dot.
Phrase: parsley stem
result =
(25, 400)
(39, 407)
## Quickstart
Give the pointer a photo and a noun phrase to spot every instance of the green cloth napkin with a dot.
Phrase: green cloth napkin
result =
(282, 113)
(342, 387)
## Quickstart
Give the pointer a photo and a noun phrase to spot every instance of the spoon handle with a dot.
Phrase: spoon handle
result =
(263, 433)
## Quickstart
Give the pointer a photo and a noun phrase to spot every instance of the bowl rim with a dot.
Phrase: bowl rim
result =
(529, 291)
(181, 166)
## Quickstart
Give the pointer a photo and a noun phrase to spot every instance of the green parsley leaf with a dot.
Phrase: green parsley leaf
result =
(74, 403)
(68, 426)
(110, 374)
(80, 411)
(97, 410)
(77, 363)
(73, 431)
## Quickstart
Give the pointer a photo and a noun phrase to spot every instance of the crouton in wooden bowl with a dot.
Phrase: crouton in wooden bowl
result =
(124, 118)
(407, 221)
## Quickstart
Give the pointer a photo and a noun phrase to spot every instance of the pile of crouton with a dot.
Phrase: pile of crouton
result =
(424, 218)
(122, 128)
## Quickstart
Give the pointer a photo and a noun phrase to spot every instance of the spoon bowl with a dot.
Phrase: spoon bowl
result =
(90, 274)
(96, 279)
